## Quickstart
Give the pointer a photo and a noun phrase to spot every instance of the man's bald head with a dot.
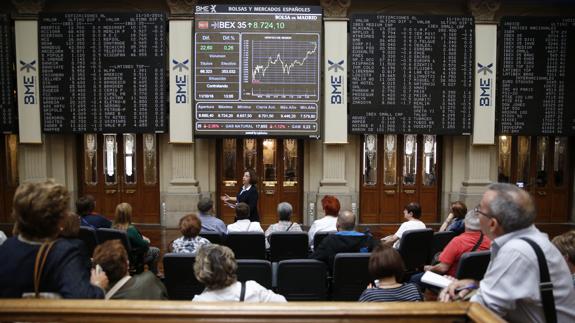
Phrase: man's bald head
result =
(346, 221)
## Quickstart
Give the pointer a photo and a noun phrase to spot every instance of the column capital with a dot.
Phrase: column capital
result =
(484, 10)
(182, 8)
(28, 7)
(335, 8)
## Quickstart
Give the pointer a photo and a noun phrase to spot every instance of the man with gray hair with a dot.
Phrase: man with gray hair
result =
(346, 239)
(472, 239)
(209, 222)
(511, 286)
(284, 224)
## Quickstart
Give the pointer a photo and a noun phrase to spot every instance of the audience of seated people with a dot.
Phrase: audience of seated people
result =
(346, 239)
(566, 245)
(412, 213)
(209, 222)
(284, 224)
(470, 240)
(454, 220)
(511, 285)
(190, 241)
(386, 264)
(112, 257)
(215, 267)
(70, 229)
(85, 208)
(39, 209)
(331, 206)
(243, 222)
(138, 242)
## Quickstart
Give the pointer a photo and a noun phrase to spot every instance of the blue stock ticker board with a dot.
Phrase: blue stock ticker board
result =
(257, 71)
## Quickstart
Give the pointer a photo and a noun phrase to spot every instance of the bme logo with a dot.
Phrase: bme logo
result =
(181, 81)
(210, 8)
(29, 82)
(336, 95)
(485, 84)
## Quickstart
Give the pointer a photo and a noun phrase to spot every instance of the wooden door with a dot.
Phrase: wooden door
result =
(120, 168)
(397, 170)
(8, 175)
(540, 165)
(278, 165)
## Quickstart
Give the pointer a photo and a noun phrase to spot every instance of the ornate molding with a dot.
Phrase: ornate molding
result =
(335, 8)
(182, 7)
(28, 7)
(484, 10)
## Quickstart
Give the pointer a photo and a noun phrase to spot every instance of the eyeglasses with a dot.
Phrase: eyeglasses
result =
(478, 211)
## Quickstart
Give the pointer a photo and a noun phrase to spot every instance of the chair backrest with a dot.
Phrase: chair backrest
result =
(473, 264)
(350, 276)
(105, 234)
(180, 281)
(440, 240)
(247, 245)
(319, 236)
(415, 247)
(255, 269)
(302, 280)
(214, 237)
(88, 235)
(288, 245)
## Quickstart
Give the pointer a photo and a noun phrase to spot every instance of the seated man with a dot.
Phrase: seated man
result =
(85, 208)
(243, 223)
(209, 222)
(112, 257)
(284, 224)
(346, 239)
(510, 287)
(412, 213)
(470, 240)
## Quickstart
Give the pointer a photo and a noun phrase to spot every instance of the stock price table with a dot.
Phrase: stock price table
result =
(103, 72)
(257, 70)
(8, 112)
(537, 76)
(411, 74)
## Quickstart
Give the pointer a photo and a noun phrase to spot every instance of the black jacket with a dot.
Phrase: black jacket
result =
(250, 197)
(336, 243)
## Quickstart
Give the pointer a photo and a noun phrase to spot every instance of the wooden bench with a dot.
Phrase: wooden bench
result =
(46, 310)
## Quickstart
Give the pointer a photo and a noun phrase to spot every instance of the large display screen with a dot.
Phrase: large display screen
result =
(257, 71)
(411, 74)
(8, 113)
(103, 72)
(537, 76)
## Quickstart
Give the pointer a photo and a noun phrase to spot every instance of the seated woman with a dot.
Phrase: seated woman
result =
(412, 213)
(565, 243)
(39, 209)
(190, 241)
(139, 243)
(284, 224)
(215, 267)
(454, 221)
(243, 222)
(112, 257)
(386, 265)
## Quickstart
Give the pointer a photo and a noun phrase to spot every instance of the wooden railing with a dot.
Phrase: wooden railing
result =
(84, 311)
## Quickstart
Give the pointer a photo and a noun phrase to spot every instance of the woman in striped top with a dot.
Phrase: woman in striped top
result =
(386, 264)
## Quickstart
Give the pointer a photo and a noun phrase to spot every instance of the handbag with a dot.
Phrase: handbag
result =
(41, 258)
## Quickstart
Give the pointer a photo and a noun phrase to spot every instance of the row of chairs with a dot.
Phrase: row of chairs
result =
(296, 279)
(301, 279)
(251, 245)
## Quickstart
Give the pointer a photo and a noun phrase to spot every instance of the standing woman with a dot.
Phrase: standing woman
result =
(248, 194)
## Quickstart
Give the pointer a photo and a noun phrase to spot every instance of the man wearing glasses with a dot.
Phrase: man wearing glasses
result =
(511, 284)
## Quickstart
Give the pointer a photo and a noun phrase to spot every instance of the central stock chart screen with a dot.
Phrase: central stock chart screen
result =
(257, 71)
